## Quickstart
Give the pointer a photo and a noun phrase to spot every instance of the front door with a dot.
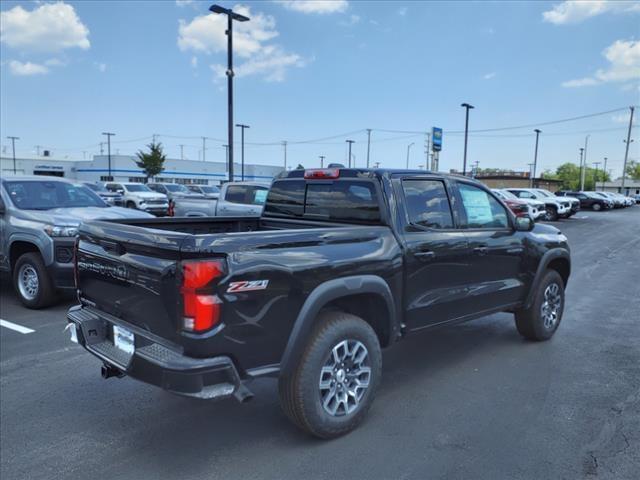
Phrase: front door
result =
(496, 249)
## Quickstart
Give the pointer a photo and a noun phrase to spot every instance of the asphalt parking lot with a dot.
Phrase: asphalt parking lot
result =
(469, 401)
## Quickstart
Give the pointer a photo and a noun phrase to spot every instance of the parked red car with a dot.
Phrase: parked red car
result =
(519, 207)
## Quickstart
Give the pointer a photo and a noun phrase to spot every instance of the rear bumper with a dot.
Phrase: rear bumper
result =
(156, 364)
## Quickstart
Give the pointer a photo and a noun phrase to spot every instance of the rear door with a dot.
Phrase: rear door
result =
(496, 249)
(435, 252)
(242, 200)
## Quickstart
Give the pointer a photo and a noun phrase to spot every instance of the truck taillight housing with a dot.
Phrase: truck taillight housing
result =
(201, 306)
(320, 174)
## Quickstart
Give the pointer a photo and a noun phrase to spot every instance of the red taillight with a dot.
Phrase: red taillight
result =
(322, 173)
(201, 308)
(171, 209)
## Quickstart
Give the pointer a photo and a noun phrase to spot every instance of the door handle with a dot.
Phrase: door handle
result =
(425, 256)
(480, 250)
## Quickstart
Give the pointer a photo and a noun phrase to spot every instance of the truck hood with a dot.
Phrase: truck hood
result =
(149, 195)
(75, 216)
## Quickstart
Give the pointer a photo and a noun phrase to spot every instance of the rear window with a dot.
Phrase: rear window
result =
(341, 200)
(246, 194)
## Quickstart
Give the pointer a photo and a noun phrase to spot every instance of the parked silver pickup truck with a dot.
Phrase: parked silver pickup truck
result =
(236, 199)
(39, 219)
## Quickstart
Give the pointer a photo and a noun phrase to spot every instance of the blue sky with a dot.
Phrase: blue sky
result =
(312, 70)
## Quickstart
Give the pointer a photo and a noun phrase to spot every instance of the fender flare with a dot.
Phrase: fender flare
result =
(323, 294)
(546, 259)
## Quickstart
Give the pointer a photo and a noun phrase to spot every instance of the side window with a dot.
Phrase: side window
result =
(523, 194)
(427, 203)
(481, 209)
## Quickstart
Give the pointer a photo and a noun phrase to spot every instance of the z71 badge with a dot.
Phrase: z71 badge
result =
(247, 286)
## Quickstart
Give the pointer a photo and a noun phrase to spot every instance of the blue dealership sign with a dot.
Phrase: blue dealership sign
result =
(436, 135)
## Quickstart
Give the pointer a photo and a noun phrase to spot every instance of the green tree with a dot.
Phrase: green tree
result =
(152, 162)
(569, 175)
(633, 169)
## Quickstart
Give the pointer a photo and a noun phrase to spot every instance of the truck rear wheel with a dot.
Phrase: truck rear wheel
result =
(551, 214)
(32, 282)
(540, 321)
(334, 384)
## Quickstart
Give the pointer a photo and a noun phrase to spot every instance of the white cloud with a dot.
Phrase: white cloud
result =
(353, 19)
(624, 65)
(206, 34)
(575, 11)
(315, 6)
(27, 68)
(402, 11)
(55, 62)
(489, 76)
(51, 27)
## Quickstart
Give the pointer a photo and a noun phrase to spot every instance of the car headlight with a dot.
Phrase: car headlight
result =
(60, 231)
(142, 202)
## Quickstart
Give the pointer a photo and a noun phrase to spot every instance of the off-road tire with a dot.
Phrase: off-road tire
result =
(299, 391)
(530, 322)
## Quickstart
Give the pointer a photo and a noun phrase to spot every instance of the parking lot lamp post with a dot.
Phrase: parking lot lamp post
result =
(604, 177)
(595, 175)
(109, 135)
(231, 16)
(322, 157)
(242, 127)
(13, 146)
(626, 151)
(535, 156)
(466, 134)
(584, 162)
(350, 142)
(408, 150)
(581, 167)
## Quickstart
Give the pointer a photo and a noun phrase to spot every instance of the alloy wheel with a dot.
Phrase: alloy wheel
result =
(550, 309)
(28, 282)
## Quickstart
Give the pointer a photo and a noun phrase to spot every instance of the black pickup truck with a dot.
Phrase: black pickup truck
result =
(342, 263)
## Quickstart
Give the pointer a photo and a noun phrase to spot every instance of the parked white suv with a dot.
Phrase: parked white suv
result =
(555, 207)
(137, 195)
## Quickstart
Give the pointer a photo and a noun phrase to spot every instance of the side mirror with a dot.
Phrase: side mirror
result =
(524, 224)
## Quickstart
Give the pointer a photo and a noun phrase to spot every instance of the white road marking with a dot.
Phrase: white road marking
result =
(16, 327)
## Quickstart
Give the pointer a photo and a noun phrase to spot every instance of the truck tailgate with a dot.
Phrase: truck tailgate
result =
(130, 273)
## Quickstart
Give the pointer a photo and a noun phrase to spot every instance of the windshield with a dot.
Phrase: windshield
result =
(173, 187)
(544, 193)
(95, 187)
(210, 189)
(33, 195)
(136, 187)
(506, 194)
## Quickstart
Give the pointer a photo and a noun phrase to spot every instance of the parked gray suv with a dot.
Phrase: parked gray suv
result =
(39, 219)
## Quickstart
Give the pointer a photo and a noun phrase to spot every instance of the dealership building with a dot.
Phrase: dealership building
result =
(124, 169)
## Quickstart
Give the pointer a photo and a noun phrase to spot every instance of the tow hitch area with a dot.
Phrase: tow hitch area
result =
(108, 371)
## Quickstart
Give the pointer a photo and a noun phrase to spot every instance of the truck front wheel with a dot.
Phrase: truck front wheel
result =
(334, 384)
(540, 321)
(32, 282)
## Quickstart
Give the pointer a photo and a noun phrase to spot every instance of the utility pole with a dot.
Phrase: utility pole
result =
(626, 150)
(535, 157)
(350, 142)
(101, 148)
(584, 170)
(595, 175)
(581, 177)
(604, 177)
(474, 170)
(376, 165)
(181, 151)
(408, 150)
(242, 127)
(204, 147)
(322, 161)
(13, 146)
(368, 145)
(284, 145)
(466, 134)
(37, 147)
(231, 16)
(109, 135)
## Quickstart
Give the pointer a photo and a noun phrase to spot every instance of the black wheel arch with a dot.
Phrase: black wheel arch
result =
(346, 293)
(557, 259)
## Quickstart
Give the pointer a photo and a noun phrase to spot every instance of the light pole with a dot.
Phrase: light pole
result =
(408, 150)
(181, 152)
(530, 170)
(584, 161)
(322, 161)
(466, 134)
(604, 177)
(626, 151)
(242, 127)
(109, 135)
(231, 16)
(535, 157)
(350, 142)
(595, 175)
(284, 145)
(368, 145)
(581, 183)
(204, 147)
(13, 146)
